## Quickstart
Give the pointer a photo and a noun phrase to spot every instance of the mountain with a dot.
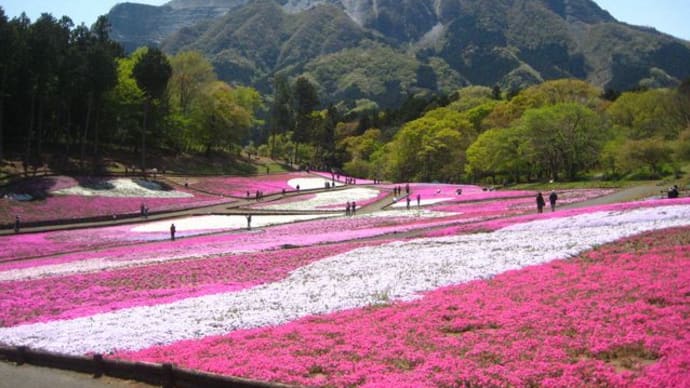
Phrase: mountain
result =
(383, 50)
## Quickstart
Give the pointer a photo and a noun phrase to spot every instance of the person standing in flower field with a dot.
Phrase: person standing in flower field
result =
(540, 203)
(16, 224)
(172, 232)
(553, 197)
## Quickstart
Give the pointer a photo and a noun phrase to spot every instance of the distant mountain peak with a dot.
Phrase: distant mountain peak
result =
(223, 4)
(384, 50)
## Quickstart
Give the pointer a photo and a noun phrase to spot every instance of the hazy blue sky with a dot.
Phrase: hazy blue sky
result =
(669, 16)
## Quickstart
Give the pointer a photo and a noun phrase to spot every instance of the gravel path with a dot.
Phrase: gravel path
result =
(626, 195)
(12, 376)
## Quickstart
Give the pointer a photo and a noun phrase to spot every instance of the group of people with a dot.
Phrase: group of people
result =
(258, 196)
(351, 208)
(553, 197)
(397, 190)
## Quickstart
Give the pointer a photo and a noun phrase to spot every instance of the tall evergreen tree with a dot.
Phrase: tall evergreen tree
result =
(306, 101)
(151, 73)
(281, 110)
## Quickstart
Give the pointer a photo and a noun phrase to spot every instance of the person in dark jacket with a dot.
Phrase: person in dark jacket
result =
(16, 224)
(553, 197)
(172, 232)
(540, 203)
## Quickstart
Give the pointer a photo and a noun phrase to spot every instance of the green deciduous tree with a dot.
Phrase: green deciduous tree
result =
(500, 152)
(566, 138)
(650, 113)
(431, 148)
(222, 116)
(191, 73)
(651, 153)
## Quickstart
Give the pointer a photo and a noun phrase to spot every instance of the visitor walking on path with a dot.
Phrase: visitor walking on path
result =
(540, 203)
(419, 200)
(354, 208)
(16, 224)
(347, 209)
(408, 202)
(172, 232)
(553, 197)
(249, 222)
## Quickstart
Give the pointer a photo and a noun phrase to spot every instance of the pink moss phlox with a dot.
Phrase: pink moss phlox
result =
(75, 296)
(617, 316)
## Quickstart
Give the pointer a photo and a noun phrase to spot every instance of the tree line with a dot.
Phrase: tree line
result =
(558, 130)
(70, 91)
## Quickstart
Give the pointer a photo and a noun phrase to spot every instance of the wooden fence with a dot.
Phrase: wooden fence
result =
(164, 375)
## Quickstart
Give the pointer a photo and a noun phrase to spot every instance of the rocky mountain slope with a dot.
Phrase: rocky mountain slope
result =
(383, 50)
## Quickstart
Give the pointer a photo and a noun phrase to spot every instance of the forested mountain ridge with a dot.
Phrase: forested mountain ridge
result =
(384, 50)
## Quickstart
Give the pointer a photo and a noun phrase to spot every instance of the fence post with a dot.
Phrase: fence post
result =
(99, 365)
(168, 380)
(21, 355)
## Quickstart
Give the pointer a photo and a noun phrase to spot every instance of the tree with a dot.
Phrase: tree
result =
(324, 138)
(191, 74)
(431, 148)
(281, 120)
(47, 42)
(682, 148)
(565, 138)
(306, 101)
(124, 102)
(502, 152)
(7, 43)
(650, 153)
(100, 73)
(151, 73)
(547, 93)
(222, 116)
(651, 113)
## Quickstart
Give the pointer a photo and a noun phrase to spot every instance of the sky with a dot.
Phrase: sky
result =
(669, 16)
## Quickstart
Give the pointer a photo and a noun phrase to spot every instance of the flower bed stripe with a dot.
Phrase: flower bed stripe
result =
(82, 295)
(616, 316)
(366, 276)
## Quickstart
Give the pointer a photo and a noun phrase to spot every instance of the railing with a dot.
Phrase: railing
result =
(164, 375)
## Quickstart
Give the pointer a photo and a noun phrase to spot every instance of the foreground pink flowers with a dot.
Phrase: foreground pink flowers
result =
(307, 303)
(610, 317)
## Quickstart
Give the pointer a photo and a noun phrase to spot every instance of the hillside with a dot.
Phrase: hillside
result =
(386, 49)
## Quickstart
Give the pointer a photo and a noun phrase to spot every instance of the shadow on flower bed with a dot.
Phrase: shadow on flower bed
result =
(31, 189)
(153, 185)
(99, 184)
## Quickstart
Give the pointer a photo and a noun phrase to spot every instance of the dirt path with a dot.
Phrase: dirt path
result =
(27, 376)
(626, 195)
